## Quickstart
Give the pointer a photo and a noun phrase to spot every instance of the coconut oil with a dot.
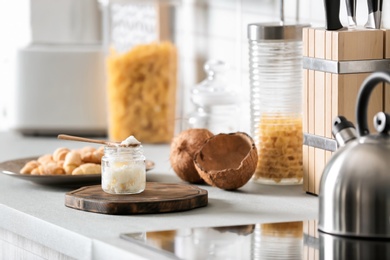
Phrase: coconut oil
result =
(123, 169)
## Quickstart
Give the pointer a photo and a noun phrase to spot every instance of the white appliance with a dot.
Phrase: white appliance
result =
(60, 75)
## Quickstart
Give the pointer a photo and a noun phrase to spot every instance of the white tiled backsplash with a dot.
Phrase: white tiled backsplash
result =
(216, 29)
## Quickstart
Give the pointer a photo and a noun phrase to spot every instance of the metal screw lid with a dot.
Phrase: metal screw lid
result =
(275, 31)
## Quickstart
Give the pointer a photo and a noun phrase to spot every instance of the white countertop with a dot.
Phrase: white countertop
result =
(37, 212)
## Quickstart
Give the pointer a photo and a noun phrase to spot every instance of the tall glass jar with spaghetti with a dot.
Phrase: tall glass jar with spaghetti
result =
(141, 67)
(275, 68)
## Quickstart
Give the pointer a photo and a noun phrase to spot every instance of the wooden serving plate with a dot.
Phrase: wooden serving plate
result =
(156, 198)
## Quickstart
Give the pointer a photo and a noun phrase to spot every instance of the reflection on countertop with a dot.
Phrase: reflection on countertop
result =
(288, 240)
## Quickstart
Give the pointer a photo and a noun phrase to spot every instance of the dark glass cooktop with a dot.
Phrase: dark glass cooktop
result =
(289, 240)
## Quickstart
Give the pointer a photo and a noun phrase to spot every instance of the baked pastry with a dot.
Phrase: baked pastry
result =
(35, 171)
(51, 168)
(91, 155)
(29, 167)
(72, 161)
(87, 168)
(66, 161)
(45, 158)
(60, 153)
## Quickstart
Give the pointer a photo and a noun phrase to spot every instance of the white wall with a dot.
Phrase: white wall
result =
(14, 17)
(205, 29)
(216, 29)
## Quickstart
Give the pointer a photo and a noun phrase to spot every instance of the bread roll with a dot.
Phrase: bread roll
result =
(87, 168)
(60, 153)
(36, 171)
(29, 167)
(66, 161)
(45, 158)
(91, 155)
(72, 161)
(51, 168)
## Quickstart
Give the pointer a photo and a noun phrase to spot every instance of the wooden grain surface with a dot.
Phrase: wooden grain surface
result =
(386, 89)
(157, 198)
(328, 95)
(387, 43)
(359, 44)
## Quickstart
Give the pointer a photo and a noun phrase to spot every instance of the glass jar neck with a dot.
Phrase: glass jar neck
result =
(130, 151)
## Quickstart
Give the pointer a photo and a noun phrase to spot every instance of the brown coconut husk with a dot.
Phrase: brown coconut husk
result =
(227, 161)
(183, 148)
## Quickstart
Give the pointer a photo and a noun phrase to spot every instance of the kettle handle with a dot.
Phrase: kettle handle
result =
(363, 97)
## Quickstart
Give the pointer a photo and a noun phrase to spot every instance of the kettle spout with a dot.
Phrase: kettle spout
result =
(343, 130)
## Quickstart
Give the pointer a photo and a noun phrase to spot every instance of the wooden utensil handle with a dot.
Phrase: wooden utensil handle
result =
(80, 139)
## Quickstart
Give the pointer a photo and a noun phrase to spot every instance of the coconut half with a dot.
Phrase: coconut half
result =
(227, 161)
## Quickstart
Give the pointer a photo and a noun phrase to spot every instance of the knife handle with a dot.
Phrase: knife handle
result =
(372, 6)
(332, 14)
(374, 14)
(351, 7)
(351, 10)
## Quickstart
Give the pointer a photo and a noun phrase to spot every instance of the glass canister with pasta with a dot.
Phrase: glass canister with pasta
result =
(275, 69)
(142, 69)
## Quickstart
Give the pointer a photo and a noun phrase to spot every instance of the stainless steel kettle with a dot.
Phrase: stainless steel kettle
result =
(354, 196)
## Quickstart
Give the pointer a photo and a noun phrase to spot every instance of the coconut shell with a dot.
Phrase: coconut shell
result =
(227, 161)
(183, 148)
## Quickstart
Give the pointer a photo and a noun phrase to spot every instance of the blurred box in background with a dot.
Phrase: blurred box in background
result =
(59, 76)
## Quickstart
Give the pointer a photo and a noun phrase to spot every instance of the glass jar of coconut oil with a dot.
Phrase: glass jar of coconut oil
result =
(123, 169)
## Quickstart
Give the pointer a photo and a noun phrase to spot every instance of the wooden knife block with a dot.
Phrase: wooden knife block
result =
(328, 94)
(387, 56)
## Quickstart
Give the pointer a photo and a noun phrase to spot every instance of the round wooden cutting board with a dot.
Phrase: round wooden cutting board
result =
(156, 198)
